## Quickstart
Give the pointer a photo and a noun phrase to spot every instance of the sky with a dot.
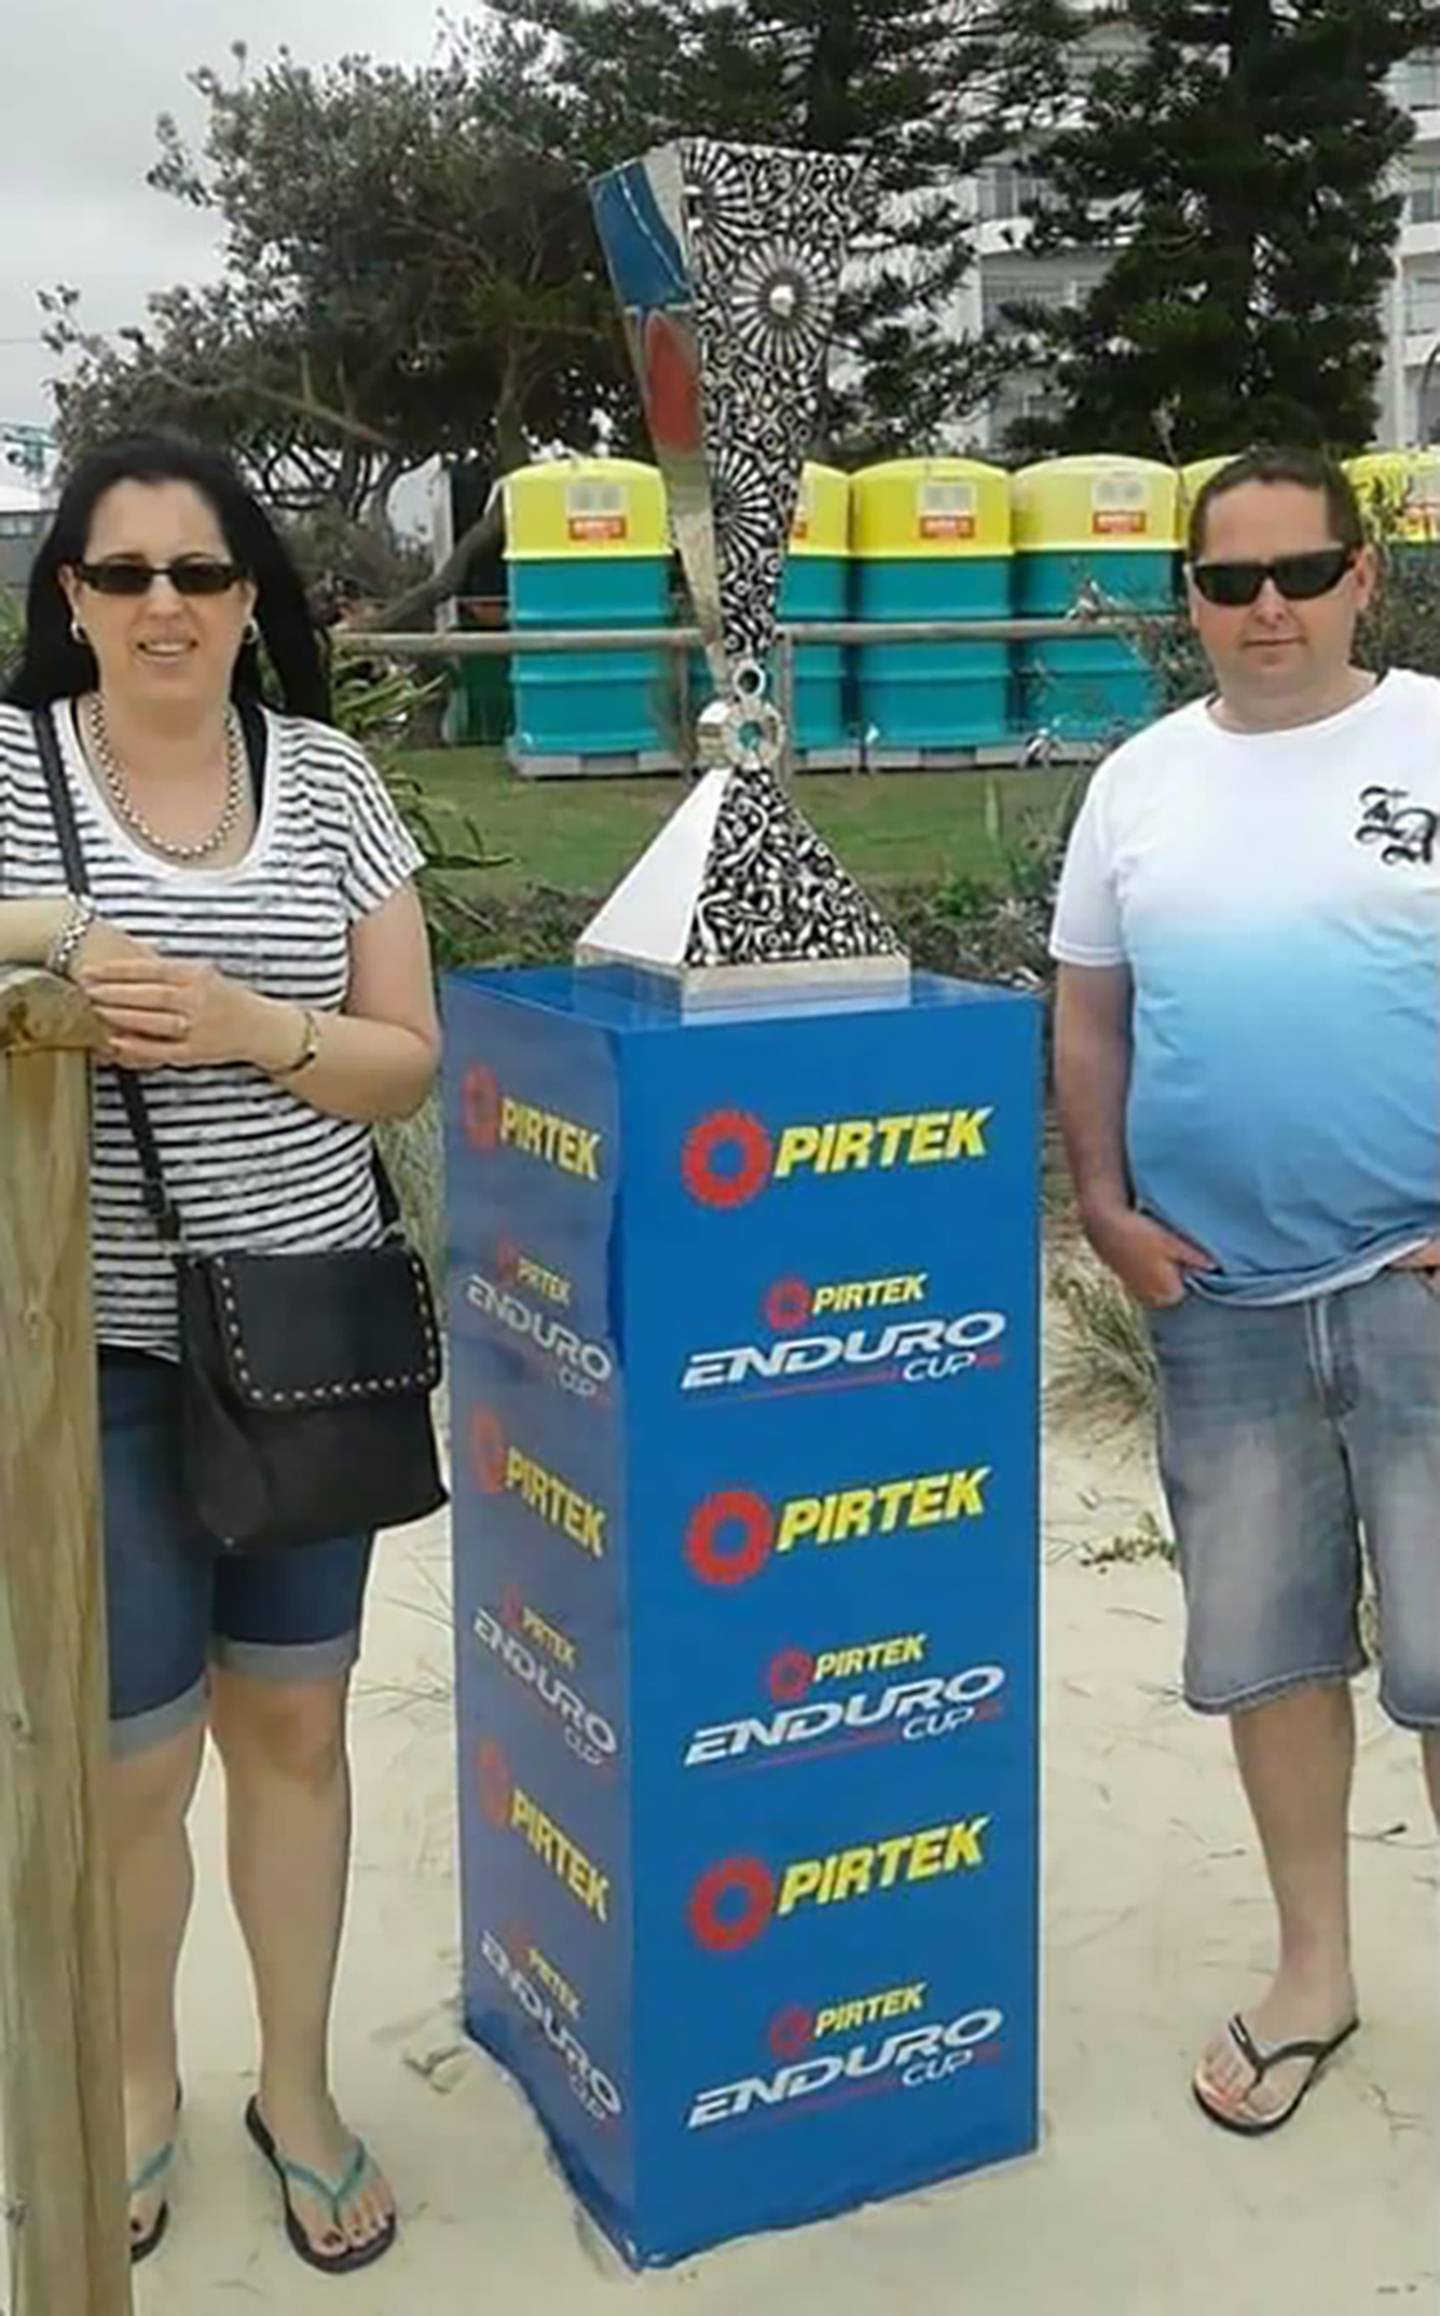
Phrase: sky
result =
(82, 84)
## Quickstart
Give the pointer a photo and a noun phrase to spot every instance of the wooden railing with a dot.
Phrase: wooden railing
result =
(61, 2132)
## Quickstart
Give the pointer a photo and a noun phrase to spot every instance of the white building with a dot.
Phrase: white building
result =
(1410, 382)
(1003, 272)
(23, 518)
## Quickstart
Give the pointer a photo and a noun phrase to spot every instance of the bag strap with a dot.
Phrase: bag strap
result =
(159, 1205)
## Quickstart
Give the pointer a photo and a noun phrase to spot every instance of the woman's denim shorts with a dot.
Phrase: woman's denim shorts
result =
(175, 1604)
(1294, 1441)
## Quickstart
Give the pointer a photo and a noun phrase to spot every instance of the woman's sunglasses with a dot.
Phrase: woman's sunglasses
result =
(1300, 578)
(191, 575)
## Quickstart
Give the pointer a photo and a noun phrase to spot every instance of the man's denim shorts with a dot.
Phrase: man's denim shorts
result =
(174, 1603)
(1294, 1440)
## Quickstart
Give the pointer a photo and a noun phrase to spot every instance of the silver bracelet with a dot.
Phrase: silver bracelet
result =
(63, 949)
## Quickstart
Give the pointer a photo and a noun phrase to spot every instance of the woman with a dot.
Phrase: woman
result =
(259, 955)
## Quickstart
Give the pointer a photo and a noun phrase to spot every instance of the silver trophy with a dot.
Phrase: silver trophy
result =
(726, 260)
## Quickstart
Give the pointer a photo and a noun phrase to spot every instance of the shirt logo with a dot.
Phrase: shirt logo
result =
(1405, 832)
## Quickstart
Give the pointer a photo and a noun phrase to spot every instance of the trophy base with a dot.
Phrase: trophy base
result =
(698, 988)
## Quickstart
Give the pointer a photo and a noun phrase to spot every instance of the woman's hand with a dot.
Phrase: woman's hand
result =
(107, 945)
(161, 1013)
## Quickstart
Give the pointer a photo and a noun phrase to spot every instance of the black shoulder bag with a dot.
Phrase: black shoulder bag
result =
(305, 1380)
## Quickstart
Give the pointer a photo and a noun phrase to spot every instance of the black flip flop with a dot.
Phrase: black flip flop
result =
(335, 2263)
(1318, 2052)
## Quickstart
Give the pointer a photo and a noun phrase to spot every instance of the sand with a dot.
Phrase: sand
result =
(1157, 1924)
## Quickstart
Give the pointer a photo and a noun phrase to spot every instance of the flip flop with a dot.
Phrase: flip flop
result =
(1318, 2052)
(334, 2263)
(142, 2246)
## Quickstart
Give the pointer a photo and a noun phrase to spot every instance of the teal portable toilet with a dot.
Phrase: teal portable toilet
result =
(1099, 532)
(931, 540)
(587, 544)
(815, 586)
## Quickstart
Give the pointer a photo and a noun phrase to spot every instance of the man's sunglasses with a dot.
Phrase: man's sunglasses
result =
(1300, 578)
(191, 575)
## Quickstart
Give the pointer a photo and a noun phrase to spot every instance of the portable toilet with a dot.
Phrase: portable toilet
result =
(587, 544)
(931, 540)
(1099, 534)
(1399, 493)
(815, 585)
(1193, 478)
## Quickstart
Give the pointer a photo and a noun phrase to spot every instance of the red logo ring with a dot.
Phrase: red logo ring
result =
(737, 1564)
(791, 1675)
(791, 2032)
(756, 1885)
(788, 1305)
(726, 1129)
(492, 1774)
(480, 1097)
(487, 1450)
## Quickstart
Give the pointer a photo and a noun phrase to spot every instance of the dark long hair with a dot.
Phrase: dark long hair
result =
(55, 666)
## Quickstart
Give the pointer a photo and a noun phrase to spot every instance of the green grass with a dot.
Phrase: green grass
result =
(581, 835)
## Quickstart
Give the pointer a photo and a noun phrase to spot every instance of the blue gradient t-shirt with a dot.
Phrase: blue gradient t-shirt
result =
(1276, 897)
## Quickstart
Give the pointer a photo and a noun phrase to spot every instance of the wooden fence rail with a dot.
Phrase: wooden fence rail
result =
(61, 2129)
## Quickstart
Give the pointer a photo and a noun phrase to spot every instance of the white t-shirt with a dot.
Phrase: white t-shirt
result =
(1276, 897)
(248, 1163)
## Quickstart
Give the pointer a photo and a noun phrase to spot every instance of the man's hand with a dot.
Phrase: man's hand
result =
(1146, 1257)
(161, 1013)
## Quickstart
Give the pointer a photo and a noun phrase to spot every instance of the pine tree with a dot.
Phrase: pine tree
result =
(923, 90)
(1239, 158)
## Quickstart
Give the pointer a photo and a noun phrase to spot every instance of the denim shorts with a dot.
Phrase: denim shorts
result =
(1295, 1440)
(174, 1603)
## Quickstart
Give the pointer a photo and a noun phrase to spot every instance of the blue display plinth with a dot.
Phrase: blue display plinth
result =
(745, 1356)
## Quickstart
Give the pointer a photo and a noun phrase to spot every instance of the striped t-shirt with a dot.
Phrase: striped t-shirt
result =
(248, 1164)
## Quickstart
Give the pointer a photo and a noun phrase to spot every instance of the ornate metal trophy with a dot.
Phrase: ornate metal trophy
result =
(727, 260)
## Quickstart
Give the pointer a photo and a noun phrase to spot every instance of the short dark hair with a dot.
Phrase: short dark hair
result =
(1309, 470)
(56, 665)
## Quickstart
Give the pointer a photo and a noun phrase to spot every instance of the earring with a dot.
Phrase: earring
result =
(78, 631)
(252, 630)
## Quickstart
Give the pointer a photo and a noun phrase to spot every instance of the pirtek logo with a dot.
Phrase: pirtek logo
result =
(732, 1534)
(729, 1157)
(808, 1727)
(501, 1469)
(515, 1268)
(733, 1903)
(511, 1809)
(497, 1121)
(905, 2060)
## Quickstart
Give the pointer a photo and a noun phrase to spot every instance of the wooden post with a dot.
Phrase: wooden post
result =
(61, 2126)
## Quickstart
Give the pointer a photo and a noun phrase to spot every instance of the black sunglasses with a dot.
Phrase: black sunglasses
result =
(1300, 578)
(191, 575)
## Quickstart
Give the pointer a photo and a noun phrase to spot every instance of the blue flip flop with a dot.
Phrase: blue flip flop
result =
(142, 2246)
(300, 2175)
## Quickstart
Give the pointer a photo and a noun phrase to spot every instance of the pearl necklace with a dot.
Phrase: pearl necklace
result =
(103, 749)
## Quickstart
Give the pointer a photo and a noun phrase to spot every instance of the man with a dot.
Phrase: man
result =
(1248, 1068)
